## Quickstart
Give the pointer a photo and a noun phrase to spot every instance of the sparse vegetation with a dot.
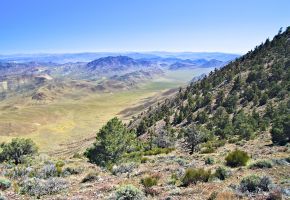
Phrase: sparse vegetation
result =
(261, 164)
(237, 158)
(192, 176)
(123, 168)
(39, 187)
(209, 161)
(144, 159)
(244, 104)
(149, 181)
(129, 192)
(254, 183)
(92, 176)
(222, 173)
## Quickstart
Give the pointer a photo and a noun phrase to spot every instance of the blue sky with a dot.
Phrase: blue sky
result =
(40, 26)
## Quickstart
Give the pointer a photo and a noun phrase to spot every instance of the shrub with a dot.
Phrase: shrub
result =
(129, 192)
(149, 181)
(17, 149)
(261, 164)
(222, 173)
(59, 165)
(92, 176)
(254, 183)
(123, 168)
(164, 139)
(156, 151)
(237, 158)
(144, 159)
(173, 179)
(39, 187)
(71, 170)
(218, 143)
(195, 175)
(181, 161)
(208, 149)
(48, 170)
(20, 172)
(4, 184)
(209, 161)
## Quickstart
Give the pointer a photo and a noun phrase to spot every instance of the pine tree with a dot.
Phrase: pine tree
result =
(112, 142)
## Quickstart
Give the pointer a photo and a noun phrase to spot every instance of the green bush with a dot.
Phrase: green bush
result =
(58, 167)
(222, 173)
(237, 158)
(261, 164)
(149, 181)
(195, 175)
(144, 159)
(254, 183)
(129, 192)
(207, 149)
(4, 184)
(209, 161)
(17, 149)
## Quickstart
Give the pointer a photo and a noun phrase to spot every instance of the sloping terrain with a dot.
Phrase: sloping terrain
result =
(186, 142)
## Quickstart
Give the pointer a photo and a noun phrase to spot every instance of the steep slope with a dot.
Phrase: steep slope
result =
(235, 101)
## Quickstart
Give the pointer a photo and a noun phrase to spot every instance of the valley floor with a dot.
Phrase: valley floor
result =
(70, 124)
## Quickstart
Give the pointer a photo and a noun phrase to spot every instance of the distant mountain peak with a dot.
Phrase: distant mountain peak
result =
(117, 63)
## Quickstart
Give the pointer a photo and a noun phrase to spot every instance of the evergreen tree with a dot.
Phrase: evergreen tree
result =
(192, 138)
(112, 142)
(142, 128)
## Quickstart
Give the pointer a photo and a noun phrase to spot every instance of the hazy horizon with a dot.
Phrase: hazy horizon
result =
(117, 52)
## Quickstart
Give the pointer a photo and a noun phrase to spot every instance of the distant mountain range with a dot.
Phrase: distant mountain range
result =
(118, 64)
(87, 57)
(22, 74)
(199, 63)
